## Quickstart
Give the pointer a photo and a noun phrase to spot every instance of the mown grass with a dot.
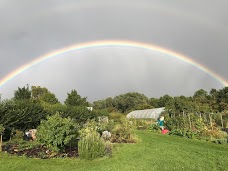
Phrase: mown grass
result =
(154, 152)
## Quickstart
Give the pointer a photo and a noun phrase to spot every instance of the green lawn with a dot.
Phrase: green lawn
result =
(154, 152)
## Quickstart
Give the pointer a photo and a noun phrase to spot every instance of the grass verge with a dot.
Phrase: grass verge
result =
(153, 152)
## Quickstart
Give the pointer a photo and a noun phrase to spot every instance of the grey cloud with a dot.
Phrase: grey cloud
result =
(97, 74)
(33, 28)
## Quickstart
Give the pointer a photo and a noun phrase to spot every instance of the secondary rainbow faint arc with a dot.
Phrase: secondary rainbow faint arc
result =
(122, 43)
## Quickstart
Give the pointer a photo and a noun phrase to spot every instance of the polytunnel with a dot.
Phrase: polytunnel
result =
(146, 114)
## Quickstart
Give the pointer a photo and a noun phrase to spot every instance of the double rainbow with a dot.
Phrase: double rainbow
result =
(111, 43)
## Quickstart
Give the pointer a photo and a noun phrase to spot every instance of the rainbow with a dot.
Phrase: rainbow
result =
(111, 43)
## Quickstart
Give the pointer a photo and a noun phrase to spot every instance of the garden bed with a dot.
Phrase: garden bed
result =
(39, 151)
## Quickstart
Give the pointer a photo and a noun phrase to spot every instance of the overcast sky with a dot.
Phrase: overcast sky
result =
(198, 29)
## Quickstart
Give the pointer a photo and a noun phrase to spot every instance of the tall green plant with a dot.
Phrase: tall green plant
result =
(57, 132)
(123, 131)
(91, 145)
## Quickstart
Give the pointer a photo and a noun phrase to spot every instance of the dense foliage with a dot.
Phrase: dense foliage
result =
(21, 114)
(74, 99)
(201, 102)
(22, 93)
(124, 102)
(57, 132)
(200, 116)
(91, 145)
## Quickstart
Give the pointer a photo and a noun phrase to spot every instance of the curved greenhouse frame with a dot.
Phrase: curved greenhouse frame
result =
(146, 114)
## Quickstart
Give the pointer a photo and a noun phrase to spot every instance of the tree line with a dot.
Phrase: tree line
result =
(32, 104)
(201, 102)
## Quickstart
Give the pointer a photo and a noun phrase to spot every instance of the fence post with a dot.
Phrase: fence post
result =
(1, 142)
(221, 120)
(210, 121)
(183, 118)
(190, 124)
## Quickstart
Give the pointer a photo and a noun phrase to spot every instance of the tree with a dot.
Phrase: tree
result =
(79, 113)
(213, 100)
(38, 91)
(200, 94)
(107, 104)
(183, 104)
(131, 101)
(99, 104)
(166, 101)
(222, 99)
(74, 99)
(201, 98)
(49, 97)
(44, 95)
(154, 102)
(22, 93)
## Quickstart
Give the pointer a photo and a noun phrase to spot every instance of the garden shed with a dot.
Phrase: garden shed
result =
(146, 114)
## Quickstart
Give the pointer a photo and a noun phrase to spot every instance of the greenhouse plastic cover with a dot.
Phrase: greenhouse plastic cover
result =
(148, 113)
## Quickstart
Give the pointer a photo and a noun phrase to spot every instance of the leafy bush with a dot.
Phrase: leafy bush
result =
(221, 141)
(154, 128)
(116, 116)
(177, 132)
(141, 123)
(188, 133)
(123, 132)
(191, 134)
(216, 136)
(17, 137)
(57, 132)
(79, 113)
(21, 114)
(17, 134)
(101, 112)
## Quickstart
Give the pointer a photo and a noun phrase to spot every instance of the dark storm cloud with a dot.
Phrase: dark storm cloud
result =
(32, 28)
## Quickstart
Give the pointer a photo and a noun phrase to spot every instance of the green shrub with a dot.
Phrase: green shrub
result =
(57, 132)
(177, 132)
(116, 116)
(17, 137)
(188, 133)
(216, 136)
(17, 134)
(91, 145)
(108, 148)
(191, 134)
(154, 128)
(123, 132)
(79, 113)
(141, 123)
(221, 141)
